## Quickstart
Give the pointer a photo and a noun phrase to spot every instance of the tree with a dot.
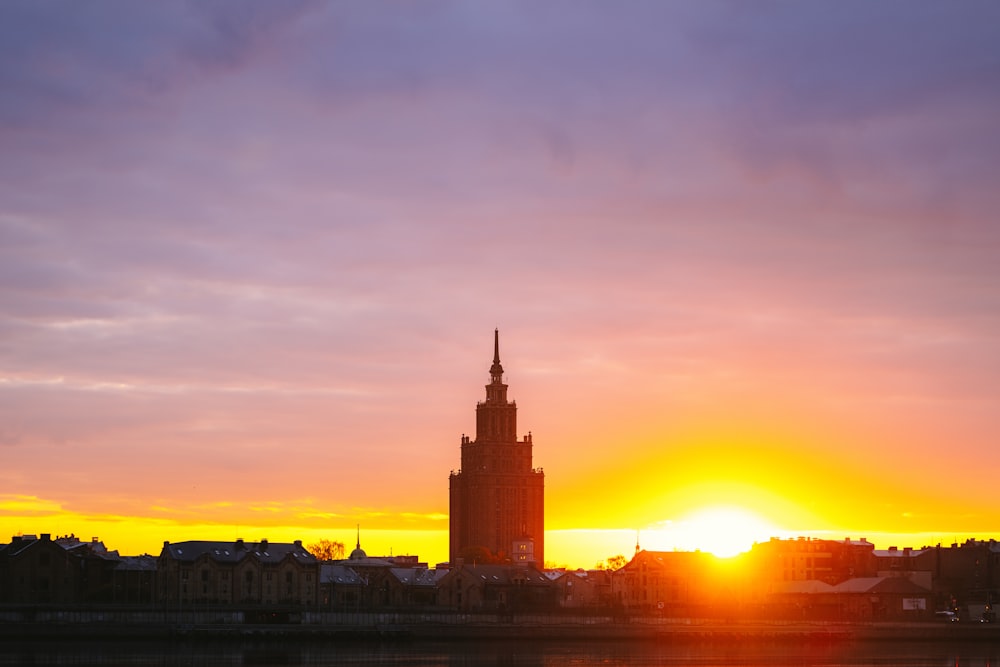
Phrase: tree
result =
(480, 556)
(327, 550)
(613, 563)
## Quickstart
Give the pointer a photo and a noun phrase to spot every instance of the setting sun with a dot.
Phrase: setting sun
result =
(724, 531)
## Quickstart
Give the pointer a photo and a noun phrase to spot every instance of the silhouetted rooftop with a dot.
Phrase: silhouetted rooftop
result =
(265, 551)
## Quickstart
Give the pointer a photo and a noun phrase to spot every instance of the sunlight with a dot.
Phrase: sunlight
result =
(724, 531)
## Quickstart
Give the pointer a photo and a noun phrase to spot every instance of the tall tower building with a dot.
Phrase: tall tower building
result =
(497, 498)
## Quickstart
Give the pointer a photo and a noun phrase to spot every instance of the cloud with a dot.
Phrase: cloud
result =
(26, 505)
(232, 231)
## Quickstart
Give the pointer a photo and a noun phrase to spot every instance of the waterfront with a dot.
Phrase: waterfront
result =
(495, 653)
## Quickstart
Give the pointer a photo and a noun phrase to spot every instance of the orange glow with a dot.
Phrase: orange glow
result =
(724, 531)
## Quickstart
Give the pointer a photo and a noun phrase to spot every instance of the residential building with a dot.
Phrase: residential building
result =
(244, 573)
(64, 570)
(807, 558)
(966, 577)
(672, 583)
(885, 598)
(914, 564)
(505, 588)
(135, 580)
(584, 589)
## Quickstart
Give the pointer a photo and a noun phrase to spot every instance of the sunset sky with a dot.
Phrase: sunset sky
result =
(744, 258)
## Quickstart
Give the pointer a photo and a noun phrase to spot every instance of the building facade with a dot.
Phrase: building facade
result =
(507, 588)
(243, 573)
(497, 497)
(673, 583)
(56, 571)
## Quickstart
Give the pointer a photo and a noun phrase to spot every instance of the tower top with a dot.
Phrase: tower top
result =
(496, 370)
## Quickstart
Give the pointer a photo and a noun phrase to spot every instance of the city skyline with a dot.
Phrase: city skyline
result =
(743, 257)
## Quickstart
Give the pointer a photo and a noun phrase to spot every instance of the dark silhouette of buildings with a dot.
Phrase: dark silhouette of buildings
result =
(238, 573)
(805, 579)
(66, 570)
(470, 587)
(497, 498)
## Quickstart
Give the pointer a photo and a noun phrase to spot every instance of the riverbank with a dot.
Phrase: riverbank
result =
(35, 624)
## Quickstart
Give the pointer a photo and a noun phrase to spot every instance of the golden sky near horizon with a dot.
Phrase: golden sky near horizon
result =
(743, 261)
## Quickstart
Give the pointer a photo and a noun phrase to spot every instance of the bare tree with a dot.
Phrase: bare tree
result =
(617, 562)
(612, 563)
(327, 550)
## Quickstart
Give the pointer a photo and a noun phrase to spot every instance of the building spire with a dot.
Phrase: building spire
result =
(358, 553)
(496, 370)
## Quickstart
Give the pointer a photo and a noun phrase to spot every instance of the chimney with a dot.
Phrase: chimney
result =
(263, 544)
(239, 544)
(46, 537)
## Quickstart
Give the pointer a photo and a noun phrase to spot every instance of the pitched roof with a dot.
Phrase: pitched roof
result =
(69, 544)
(808, 586)
(137, 563)
(667, 559)
(503, 574)
(234, 552)
(898, 553)
(898, 585)
(418, 576)
(857, 585)
(332, 573)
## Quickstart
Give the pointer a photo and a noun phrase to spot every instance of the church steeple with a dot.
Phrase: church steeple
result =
(358, 553)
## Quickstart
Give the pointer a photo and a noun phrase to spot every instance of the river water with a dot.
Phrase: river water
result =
(97, 653)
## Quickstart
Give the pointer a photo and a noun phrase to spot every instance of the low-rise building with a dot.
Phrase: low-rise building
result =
(513, 588)
(135, 580)
(858, 599)
(916, 565)
(584, 589)
(340, 587)
(673, 583)
(242, 573)
(60, 571)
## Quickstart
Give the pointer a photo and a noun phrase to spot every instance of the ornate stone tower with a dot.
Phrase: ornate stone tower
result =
(497, 498)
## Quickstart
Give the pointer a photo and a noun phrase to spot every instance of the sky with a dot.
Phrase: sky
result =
(742, 256)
